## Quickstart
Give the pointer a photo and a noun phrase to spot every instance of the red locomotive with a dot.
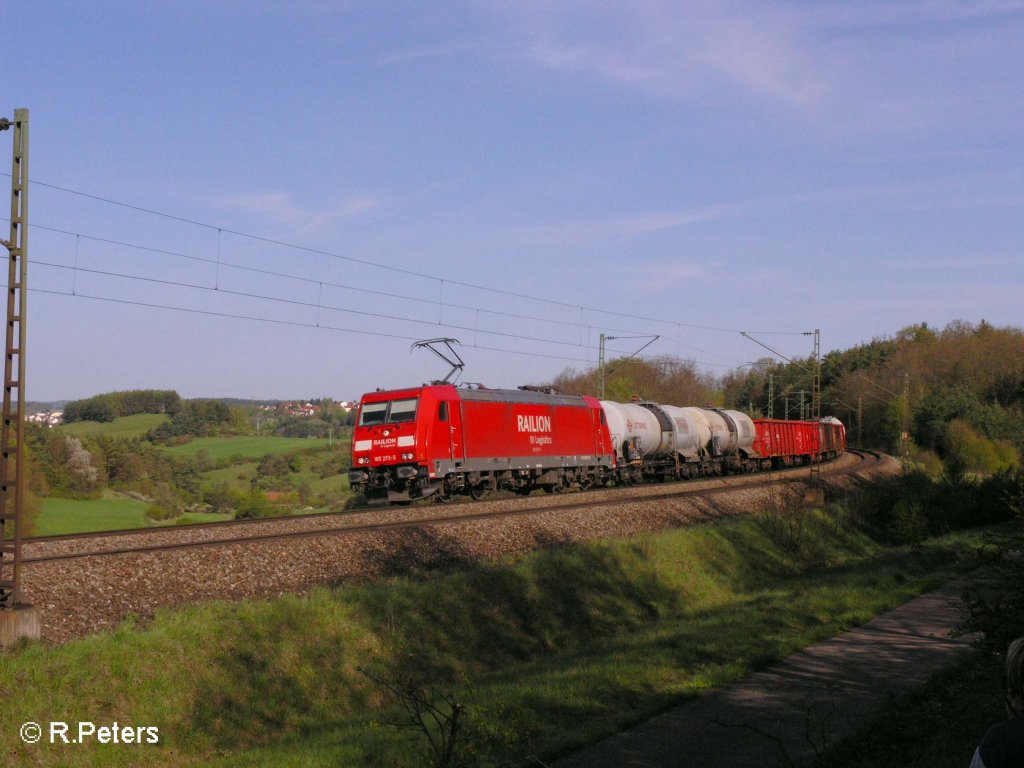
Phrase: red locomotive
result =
(439, 441)
(442, 440)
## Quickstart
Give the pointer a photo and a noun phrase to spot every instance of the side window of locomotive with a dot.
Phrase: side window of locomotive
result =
(442, 411)
(403, 410)
(373, 413)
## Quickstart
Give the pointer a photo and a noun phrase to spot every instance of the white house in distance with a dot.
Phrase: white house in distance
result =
(49, 418)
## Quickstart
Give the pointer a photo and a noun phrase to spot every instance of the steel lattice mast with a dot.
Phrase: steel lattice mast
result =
(12, 435)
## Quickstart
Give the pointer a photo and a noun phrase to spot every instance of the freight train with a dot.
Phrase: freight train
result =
(440, 441)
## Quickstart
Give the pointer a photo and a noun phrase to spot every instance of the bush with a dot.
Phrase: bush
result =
(908, 524)
(156, 512)
(906, 508)
(252, 504)
(965, 449)
(995, 597)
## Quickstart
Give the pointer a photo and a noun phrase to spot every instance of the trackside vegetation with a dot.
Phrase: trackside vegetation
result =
(184, 460)
(537, 654)
(941, 724)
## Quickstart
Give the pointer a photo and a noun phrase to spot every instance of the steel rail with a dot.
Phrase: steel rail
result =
(729, 484)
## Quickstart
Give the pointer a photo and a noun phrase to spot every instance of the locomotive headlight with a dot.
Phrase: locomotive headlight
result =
(408, 456)
(364, 460)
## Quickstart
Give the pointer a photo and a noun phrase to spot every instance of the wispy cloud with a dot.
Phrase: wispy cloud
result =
(282, 210)
(615, 230)
(841, 68)
(675, 50)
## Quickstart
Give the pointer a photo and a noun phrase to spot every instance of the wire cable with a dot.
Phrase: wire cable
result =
(376, 265)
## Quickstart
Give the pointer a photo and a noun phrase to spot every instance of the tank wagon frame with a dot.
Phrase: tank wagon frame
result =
(440, 441)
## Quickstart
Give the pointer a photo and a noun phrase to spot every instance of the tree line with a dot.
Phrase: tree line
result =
(958, 391)
(112, 405)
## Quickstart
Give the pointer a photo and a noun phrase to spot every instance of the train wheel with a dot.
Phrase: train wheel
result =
(479, 491)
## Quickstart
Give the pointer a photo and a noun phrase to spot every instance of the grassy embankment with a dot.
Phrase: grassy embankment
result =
(547, 651)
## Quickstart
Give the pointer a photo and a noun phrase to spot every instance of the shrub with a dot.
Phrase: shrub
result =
(908, 524)
(251, 504)
(965, 449)
(995, 596)
(156, 512)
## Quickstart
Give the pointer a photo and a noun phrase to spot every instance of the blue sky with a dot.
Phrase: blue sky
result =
(320, 183)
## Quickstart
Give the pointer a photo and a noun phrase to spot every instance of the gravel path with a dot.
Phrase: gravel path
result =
(787, 715)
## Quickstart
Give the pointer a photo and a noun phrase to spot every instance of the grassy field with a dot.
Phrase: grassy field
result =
(126, 426)
(234, 461)
(248, 448)
(63, 516)
(547, 652)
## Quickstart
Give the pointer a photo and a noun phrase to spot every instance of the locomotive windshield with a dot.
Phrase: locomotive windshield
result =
(389, 412)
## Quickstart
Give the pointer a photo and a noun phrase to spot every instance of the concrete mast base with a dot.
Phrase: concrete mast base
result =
(22, 622)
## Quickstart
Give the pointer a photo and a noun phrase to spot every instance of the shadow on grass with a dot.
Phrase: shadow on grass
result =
(611, 633)
(282, 668)
(487, 615)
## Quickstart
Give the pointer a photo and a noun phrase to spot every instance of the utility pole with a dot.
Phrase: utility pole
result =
(860, 422)
(814, 410)
(600, 357)
(16, 619)
(771, 395)
(816, 405)
(905, 433)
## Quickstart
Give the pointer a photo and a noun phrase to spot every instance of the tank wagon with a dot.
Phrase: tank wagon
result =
(440, 441)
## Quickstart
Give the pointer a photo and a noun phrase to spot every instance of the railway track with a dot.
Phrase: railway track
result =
(89, 583)
(138, 541)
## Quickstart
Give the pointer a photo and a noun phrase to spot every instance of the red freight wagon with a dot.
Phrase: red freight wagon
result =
(796, 442)
(786, 442)
(440, 440)
(833, 437)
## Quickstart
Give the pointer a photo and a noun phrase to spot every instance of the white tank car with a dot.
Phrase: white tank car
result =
(730, 431)
(691, 428)
(746, 433)
(627, 421)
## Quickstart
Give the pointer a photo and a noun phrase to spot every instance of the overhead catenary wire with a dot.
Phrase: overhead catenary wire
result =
(314, 281)
(311, 305)
(388, 267)
(219, 263)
